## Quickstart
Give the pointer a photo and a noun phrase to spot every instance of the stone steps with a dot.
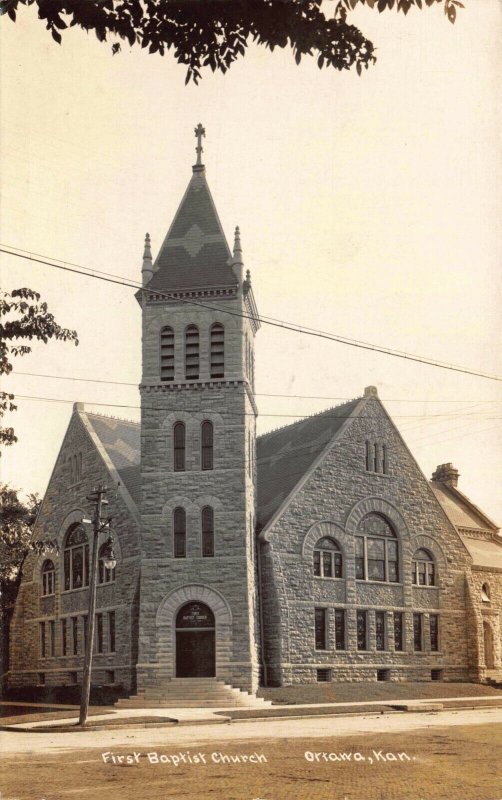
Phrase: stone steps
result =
(193, 693)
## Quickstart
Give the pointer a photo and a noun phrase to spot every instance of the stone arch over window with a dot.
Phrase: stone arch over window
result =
(423, 568)
(485, 593)
(166, 625)
(192, 353)
(48, 578)
(377, 505)
(321, 530)
(76, 558)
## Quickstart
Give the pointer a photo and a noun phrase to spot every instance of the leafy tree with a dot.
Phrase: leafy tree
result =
(23, 317)
(16, 521)
(214, 33)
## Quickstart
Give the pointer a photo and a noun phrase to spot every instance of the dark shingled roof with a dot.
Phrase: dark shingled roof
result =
(121, 440)
(285, 455)
(195, 253)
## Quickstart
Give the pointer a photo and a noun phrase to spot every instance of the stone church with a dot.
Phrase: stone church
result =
(316, 552)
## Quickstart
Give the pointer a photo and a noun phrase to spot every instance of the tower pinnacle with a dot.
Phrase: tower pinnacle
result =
(199, 131)
(147, 269)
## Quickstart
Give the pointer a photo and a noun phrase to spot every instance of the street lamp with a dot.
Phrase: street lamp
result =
(98, 497)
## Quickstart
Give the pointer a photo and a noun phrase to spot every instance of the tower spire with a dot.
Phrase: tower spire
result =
(199, 131)
(147, 269)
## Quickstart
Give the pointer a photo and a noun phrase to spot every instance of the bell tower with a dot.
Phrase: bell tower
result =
(198, 472)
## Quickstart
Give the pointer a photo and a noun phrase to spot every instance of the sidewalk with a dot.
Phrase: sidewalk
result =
(159, 717)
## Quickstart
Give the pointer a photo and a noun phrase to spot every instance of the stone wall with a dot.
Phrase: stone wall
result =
(64, 504)
(228, 488)
(485, 623)
(333, 500)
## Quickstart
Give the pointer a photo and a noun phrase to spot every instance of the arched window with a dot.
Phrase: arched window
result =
(179, 435)
(180, 532)
(423, 572)
(207, 436)
(167, 354)
(217, 345)
(376, 550)
(192, 353)
(207, 531)
(485, 593)
(48, 579)
(105, 575)
(76, 559)
(327, 559)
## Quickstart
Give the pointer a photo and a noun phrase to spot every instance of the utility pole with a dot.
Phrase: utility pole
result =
(98, 497)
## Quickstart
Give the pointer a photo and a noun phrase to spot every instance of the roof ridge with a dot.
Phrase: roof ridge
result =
(308, 416)
(112, 416)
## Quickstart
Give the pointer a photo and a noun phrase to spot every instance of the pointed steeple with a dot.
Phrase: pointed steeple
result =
(195, 253)
(147, 268)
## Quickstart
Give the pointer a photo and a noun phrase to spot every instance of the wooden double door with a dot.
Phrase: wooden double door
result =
(195, 642)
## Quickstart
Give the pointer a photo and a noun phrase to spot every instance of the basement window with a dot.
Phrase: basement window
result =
(323, 675)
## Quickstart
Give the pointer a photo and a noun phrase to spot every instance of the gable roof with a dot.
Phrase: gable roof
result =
(195, 253)
(461, 511)
(285, 455)
(121, 441)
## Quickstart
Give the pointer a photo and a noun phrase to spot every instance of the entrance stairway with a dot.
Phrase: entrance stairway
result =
(193, 693)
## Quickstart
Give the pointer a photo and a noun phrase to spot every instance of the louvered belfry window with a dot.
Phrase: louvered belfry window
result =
(167, 354)
(192, 353)
(207, 444)
(179, 446)
(217, 351)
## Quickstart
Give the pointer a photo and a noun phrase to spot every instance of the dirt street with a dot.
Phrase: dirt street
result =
(429, 762)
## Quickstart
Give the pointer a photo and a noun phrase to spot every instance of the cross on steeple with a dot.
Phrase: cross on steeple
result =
(199, 133)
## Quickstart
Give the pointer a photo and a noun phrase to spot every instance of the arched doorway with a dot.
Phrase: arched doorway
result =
(488, 643)
(195, 641)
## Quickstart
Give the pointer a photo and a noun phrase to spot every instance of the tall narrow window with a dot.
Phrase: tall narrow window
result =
(76, 559)
(64, 637)
(375, 458)
(362, 630)
(48, 578)
(85, 631)
(339, 629)
(167, 354)
(74, 630)
(380, 637)
(207, 531)
(43, 642)
(207, 436)
(385, 464)
(179, 436)
(398, 631)
(52, 637)
(320, 629)
(99, 633)
(434, 631)
(217, 354)
(417, 632)
(111, 631)
(192, 353)
(377, 557)
(180, 532)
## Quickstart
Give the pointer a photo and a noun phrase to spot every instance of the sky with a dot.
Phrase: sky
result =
(369, 207)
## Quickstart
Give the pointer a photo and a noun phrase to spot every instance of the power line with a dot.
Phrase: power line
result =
(110, 278)
(257, 394)
(324, 414)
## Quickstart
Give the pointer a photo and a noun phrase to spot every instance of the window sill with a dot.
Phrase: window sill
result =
(381, 583)
(420, 586)
(46, 596)
(327, 578)
(378, 474)
(71, 591)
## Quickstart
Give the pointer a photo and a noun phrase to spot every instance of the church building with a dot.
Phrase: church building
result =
(316, 552)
